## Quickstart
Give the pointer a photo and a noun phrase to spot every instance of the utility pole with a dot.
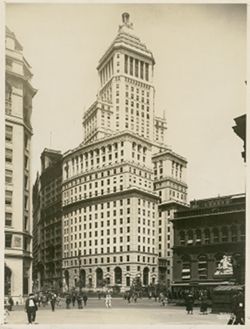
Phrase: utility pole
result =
(79, 269)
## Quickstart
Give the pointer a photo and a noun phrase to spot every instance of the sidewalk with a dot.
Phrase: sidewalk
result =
(118, 315)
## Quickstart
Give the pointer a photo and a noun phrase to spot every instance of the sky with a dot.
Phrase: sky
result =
(200, 55)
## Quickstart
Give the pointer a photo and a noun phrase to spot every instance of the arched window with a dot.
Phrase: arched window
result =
(118, 275)
(224, 234)
(207, 236)
(216, 235)
(190, 237)
(145, 276)
(186, 268)
(198, 236)
(83, 278)
(99, 277)
(234, 233)
(182, 238)
(202, 267)
(66, 275)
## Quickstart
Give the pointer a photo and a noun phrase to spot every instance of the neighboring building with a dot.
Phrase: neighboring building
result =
(203, 234)
(110, 208)
(47, 220)
(240, 130)
(18, 132)
(170, 184)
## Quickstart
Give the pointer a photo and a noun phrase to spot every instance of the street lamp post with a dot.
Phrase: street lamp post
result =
(79, 269)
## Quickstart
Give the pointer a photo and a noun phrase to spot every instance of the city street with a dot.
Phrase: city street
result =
(144, 312)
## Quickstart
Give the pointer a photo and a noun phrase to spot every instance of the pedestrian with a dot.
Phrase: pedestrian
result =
(39, 300)
(44, 300)
(203, 305)
(85, 298)
(108, 300)
(238, 312)
(68, 301)
(99, 295)
(79, 301)
(189, 304)
(11, 303)
(73, 300)
(31, 308)
(53, 302)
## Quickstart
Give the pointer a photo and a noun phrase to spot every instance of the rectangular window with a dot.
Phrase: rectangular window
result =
(8, 155)
(141, 70)
(8, 240)
(8, 218)
(8, 198)
(126, 64)
(8, 133)
(8, 176)
(136, 67)
(146, 71)
(131, 69)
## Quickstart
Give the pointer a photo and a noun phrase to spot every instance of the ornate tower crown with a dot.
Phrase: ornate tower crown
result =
(125, 23)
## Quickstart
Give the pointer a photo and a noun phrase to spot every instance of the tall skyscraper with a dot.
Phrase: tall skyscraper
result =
(18, 133)
(110, 204)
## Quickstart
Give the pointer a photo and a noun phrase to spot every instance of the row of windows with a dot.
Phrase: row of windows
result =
(222, 234)
(134, 67)
(107, 71)
(109, 260)
(114, 249)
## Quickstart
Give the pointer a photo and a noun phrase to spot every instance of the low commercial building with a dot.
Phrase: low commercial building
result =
(208, 232)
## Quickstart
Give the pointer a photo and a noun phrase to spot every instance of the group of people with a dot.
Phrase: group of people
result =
(190, 299)
(131, 296)
(80, 299)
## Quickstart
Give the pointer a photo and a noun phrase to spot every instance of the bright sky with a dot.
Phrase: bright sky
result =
(200, 54)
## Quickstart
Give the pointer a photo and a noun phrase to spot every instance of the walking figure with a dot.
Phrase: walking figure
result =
(53, 302)
(31, 308)
(79, 301)
(203, 306)
(68, 301)
(11, 303)
(108, 300)
(73, 300)
(189, 304)
(85, 298)
(238, 309)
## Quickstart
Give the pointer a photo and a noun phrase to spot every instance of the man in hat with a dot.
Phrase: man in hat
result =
(31, 308)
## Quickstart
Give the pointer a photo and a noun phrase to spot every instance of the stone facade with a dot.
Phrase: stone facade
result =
(110, 194)
(18, 133)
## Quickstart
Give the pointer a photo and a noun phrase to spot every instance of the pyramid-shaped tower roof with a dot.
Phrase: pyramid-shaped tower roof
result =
(126, 39)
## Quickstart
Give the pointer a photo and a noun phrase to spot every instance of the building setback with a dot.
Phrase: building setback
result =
(110, 203)
(18, 132)
(47, 220)
(210, 229)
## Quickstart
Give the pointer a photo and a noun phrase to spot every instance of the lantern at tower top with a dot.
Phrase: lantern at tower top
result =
(125, 22)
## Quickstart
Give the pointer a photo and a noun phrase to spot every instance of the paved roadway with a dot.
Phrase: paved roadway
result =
(144, 312)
